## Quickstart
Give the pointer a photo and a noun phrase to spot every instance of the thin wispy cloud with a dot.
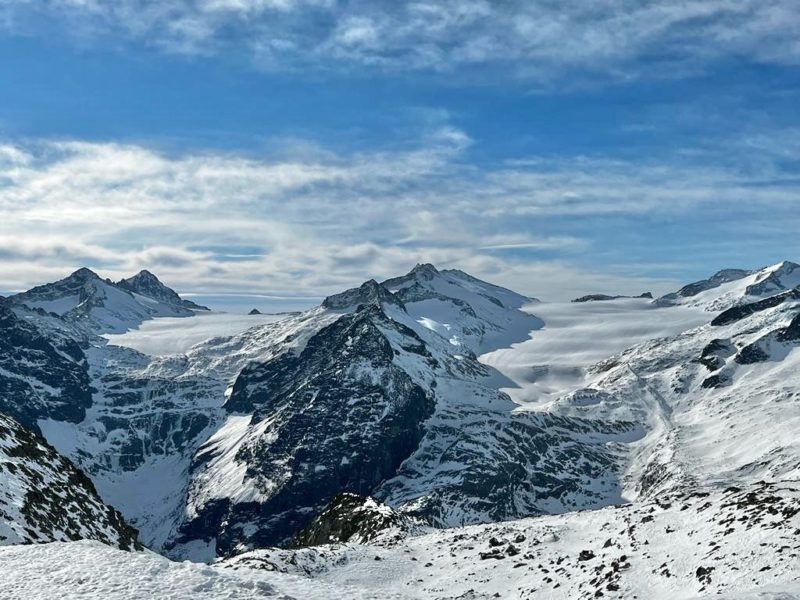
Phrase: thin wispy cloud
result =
(535, 38)
(222, 222)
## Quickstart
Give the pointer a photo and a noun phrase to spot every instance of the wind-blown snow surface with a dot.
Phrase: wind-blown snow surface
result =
(92, 571)
(177, 335)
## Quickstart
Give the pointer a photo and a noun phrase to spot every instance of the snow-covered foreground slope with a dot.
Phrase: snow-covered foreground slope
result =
(717, 542)
(93, 571)
(723, 543)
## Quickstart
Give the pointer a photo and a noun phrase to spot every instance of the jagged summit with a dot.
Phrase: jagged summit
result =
(732, 287)
(369, 292)
(85, 299)
(147, 284)
(425, 270)
(83, 274)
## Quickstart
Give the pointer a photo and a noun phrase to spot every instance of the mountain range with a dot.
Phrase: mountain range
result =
(431, 416)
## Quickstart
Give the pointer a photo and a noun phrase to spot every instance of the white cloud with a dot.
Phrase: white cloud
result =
(315, 223)
(535, 37)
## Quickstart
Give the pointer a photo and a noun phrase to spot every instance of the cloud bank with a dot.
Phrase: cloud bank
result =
(537, 38)
(315, 224)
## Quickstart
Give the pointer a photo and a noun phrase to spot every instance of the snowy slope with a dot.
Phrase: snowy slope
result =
(92, 571)
(44, 498)
(717, 542)
(176, 335)
(705, 389)
(733, 286)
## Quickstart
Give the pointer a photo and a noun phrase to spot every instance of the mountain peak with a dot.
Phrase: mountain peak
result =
(425, 270)
(145, 274)
(369, 292)
(83, 274)
(147, 284)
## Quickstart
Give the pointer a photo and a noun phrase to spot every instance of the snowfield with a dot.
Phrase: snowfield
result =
(577, 335)
(177, 335)
(92, 571)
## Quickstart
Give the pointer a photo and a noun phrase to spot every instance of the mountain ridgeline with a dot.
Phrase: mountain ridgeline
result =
(377, 407)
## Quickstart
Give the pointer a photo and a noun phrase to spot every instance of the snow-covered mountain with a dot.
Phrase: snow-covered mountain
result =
(45, 498)
(380, 392)
(449, 402)
(101, 306)
(731, 287)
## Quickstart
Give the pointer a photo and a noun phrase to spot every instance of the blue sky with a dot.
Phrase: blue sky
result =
(296, 147)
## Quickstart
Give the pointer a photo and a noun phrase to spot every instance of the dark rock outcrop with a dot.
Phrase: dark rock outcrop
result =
(604, 297)
(41, 376)
(341, 417)
(742, 311)
(45, 498)
(369, 293)
(349, 518)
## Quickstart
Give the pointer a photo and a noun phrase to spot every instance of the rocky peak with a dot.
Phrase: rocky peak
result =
(424, 271)
(83, 275)
(370, 292)
(147, 284)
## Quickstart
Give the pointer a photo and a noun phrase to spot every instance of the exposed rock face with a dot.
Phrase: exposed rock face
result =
(716, 280)
(41, 375)
(736, 313)
(340, 416)
(45, 498)
(385, 401)
(255, 311)
(370, 292)
(147, 284)
(783, 276)
(350, 518)
(605, 298)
